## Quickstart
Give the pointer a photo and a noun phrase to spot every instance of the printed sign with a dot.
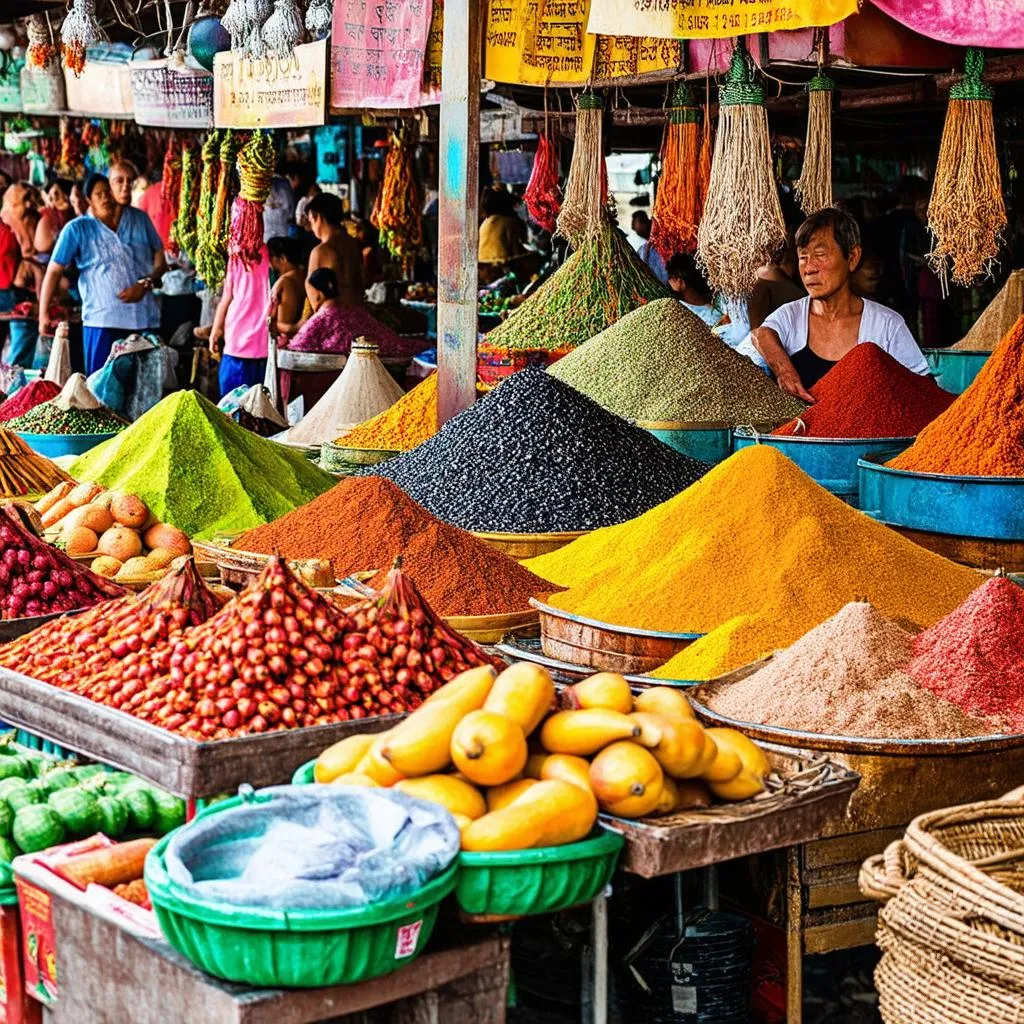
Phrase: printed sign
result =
(378, 50)
(712, 19)
(539, 42)
(408, 937)
(171, 98)
(285, 92)
(104, 88)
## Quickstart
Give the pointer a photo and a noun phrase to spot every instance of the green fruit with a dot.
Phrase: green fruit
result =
(6, 819)
(169, 811)
(15, 766)
(113, 815)
(77, 811)
(141, 809)
(88, 771)
(24, 796)
(11, 784)
(37, 827)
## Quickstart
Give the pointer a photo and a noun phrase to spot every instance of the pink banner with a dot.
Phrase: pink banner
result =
(377, 53)
(998, 23)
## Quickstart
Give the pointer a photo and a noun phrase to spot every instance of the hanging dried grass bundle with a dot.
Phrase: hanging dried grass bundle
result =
(704, 165)
(742, 227)
(678, 203)
(814, 188)
(582, 214)
(966, 213)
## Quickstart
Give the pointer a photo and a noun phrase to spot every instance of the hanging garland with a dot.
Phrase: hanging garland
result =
(41, 50)
(396, 213)
(213, 245)
(256, 175)
(814, 188)
(183, 230)
(678, 204)
(742, 227)
(966, 212)
(582, 215)
(79, 31)
(170, 181)
(543, 197)
(207, 200)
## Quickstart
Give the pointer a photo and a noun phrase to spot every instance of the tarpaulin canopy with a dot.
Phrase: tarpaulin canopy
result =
(998, 23)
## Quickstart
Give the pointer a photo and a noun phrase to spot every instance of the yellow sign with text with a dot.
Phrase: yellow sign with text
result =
(546, 42)
(712, 19)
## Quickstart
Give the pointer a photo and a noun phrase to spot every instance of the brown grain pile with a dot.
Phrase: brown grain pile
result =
(845, 677)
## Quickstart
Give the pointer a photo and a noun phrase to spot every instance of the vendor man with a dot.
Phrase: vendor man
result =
(802, 340)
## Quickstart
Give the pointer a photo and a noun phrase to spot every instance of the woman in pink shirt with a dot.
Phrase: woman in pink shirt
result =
(240, 325)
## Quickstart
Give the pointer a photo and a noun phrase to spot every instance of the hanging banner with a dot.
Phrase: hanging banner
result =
(996, 23)
(712, 19)
(377, 54)
(289, 92)
(546, 42)
(165, 97)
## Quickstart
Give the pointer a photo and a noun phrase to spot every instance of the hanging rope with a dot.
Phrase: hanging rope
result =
(678, 202)
(582, 215)
(966, 212)
(814, 187)
(742, 227)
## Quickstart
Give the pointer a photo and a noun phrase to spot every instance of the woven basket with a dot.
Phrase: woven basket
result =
(952, 924)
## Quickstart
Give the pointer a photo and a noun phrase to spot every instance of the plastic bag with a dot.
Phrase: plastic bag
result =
(313, 846)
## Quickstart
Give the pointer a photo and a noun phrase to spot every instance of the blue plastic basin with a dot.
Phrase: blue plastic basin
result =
(986, 507)
(55, 445)
(829, 461)
(708, 444)
(954, 371)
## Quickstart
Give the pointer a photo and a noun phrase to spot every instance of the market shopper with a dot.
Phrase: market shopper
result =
(288, 294)
(802, 340)
(120, 261)
(336, 250)
(777, 284)
(53, 217)
(322, 294)
(691, 288)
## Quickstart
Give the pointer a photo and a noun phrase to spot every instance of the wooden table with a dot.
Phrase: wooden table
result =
(107, 975)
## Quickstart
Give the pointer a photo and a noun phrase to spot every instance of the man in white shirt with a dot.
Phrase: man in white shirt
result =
(801, 341)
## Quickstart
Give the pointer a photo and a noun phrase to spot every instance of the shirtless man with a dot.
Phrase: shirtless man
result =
(289, 294)
(337, 249)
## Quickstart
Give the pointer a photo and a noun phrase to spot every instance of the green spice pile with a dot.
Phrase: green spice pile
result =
(200, 471)
(662, 363)
(49, 418)
(602, 281)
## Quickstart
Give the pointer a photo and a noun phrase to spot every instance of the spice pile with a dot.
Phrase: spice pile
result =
(600, 282)
(974, 658)
(76, 410)
(36, 579)
(198, 470)
(23, 471)
(408, 423)
(366, 522)
(32, 394)
(845, 677)
(363, 389)
(68, 652)
(536, 456)
(982, 432)
(661, 362)
(754, 555)
(280, 656)
(354, 322)
(870, 394)
(998, 317)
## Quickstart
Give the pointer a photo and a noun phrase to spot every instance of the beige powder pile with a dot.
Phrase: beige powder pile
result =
(845, 677)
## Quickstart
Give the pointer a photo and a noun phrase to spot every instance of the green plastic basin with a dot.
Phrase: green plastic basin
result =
(304, 774)
(294, 949)
(517, 883)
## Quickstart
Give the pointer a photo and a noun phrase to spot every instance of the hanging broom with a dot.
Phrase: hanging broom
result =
(582, 213)
(676, 214)
(814, 188)
(742, 227)
(966, 214)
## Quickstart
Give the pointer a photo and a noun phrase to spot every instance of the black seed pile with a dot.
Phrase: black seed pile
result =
(537, 456)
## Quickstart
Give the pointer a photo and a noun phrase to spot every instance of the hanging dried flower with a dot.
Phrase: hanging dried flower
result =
(79, 31)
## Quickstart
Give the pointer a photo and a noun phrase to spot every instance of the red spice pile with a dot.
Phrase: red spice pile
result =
(28, 397)
(870, 394)
(974, 657)
(365, 522)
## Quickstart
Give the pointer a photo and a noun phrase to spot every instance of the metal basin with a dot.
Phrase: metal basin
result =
(954, 370)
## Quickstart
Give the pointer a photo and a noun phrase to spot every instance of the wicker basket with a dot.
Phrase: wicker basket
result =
(952, 924)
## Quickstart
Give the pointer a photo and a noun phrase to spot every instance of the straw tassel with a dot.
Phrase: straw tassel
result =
(966, 213)
(283, 30)
(582, 213)
(319, 15)
(742, 227)
(814, 188)
(678, 203)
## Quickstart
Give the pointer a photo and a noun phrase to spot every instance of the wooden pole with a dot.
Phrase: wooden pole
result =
(458, 229)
